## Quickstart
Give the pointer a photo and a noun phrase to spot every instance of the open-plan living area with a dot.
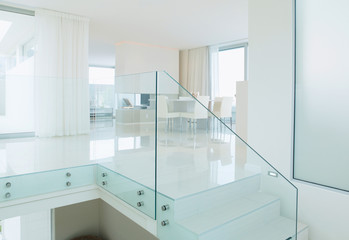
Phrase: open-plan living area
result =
(174, 120)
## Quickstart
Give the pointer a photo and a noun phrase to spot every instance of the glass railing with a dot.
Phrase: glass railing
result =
(167, 155)
(117, 155)
(135, 140)
(132, 192)
(33, 184)
(210, 183)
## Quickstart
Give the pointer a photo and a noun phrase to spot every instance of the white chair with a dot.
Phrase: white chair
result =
(200, 110)
(222, 108)
(162, 111)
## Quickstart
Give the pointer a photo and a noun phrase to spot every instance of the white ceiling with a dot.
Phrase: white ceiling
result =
(178, 24)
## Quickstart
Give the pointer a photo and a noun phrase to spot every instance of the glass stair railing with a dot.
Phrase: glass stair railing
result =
(33, 184)
(171, 158)
(39, 183)
(210, 183)
(128, 190)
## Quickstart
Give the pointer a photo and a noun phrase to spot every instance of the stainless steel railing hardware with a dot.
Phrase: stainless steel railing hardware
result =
(165, 223)
(165, 207)
(140, 192)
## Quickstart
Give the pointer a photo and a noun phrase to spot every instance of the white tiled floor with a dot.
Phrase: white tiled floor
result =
(187, 161)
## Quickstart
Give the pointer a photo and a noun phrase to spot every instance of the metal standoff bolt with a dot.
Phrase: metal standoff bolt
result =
(68, 184)
(104, 183)
(8, 185)
(140, 192)
(165, 223)
(8, 195)
(68, 174)
(140, 204)
(165, 207)
(104, 174)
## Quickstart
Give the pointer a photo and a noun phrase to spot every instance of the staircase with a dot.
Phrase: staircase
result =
(238, 196)
(185, 176)
(235, 211)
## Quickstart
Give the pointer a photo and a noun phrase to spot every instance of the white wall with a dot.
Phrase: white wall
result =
(138, 58)
(270, 114)
(36, 226)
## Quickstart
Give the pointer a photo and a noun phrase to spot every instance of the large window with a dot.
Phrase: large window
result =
(228, 67)
(232, 69)
(17, 50)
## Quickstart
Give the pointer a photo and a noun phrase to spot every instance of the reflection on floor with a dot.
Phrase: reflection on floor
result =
(189, 158)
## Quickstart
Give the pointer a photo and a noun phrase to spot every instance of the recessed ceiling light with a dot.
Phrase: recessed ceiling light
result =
(4, 27)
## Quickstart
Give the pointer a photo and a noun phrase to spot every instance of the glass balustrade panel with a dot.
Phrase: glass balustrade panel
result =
(210, 183)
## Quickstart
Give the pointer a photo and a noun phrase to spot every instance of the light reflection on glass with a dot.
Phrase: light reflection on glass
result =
(221, 174)
(129, 143)
(100, 149)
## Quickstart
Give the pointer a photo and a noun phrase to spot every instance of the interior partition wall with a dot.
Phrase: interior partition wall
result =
(321, 140)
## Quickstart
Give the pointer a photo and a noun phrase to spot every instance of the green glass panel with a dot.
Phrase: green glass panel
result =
(132, 192)
(21, 186)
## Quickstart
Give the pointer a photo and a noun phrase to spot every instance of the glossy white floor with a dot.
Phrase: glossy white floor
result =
(189, 160)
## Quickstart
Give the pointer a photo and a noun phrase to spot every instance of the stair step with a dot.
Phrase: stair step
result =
(220, 196)
(279, 229)
(217, 216)
(188, 183)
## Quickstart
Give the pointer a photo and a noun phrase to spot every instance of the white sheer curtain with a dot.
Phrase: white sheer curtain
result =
(61, 74)
(214, 71)
(194, 70)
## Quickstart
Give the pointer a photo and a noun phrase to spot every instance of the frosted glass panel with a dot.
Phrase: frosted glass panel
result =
(322, 93)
